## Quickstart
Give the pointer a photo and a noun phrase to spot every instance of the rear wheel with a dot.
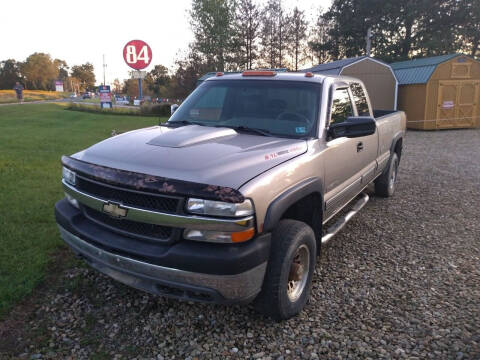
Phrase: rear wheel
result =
(287, 283)
(385, 183)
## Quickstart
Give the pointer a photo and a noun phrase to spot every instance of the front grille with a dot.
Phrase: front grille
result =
(128, 227)
(129, 197)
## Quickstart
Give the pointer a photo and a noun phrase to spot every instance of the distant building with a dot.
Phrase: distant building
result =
(377, 76)
(440, 92)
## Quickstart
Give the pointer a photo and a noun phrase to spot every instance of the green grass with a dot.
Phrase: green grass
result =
(32, 139)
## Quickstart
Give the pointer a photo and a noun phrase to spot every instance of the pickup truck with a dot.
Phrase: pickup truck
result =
(231, 200)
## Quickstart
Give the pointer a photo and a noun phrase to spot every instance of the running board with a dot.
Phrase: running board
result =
(335, 228)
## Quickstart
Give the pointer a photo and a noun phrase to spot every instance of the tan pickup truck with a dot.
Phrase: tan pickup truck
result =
(231, 200)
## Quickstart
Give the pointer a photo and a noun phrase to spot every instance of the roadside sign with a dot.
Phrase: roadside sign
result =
(58, 85)
(105, 96)
(137, 54)
(139, 74)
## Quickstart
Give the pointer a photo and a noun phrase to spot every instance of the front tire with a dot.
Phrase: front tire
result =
(287, 283)
(385, 184)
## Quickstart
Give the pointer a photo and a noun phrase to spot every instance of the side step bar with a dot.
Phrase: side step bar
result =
(335, 228)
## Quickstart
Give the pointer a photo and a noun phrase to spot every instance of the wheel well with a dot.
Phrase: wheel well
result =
(398, 147)
(308, 210)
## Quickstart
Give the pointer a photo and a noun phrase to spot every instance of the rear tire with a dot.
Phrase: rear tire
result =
(287, 283)
(385, 183)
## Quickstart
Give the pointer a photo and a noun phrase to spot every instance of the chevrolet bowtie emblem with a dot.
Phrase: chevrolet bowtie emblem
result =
(114, 210)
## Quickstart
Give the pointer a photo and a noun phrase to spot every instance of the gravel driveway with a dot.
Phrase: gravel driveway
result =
(402, 280)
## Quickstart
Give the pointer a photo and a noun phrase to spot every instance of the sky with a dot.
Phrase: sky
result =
(81, 31)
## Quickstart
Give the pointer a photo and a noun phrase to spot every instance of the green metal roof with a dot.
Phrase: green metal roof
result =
(418, 71)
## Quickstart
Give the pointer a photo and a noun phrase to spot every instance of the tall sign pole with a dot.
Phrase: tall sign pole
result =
(138, 55)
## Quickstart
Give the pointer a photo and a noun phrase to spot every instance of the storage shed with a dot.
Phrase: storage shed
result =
(440, 92)
(377, 76)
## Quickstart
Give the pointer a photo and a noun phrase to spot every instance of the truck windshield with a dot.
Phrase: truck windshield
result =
(264, 107)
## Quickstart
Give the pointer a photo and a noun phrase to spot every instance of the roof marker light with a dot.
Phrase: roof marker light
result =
(258, 73)
(219, 73)
(309, 74)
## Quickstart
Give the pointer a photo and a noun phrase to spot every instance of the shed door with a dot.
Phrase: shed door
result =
(457, 104)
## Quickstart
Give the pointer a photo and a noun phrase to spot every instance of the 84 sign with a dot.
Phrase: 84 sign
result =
(137, 54)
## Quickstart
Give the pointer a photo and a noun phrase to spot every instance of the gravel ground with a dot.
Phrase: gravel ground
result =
(402, 280)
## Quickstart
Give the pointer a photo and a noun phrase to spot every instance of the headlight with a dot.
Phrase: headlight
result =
(69, 176)
(219, 208)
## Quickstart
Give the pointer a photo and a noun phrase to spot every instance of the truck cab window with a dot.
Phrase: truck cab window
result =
(360, 99)
(341, 106)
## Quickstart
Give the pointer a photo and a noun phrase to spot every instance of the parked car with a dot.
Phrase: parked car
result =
(230, 201)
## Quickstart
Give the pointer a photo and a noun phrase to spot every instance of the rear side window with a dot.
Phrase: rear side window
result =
(341, 106)
(360, 99)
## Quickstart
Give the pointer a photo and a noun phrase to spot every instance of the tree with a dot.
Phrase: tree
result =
(318, 39)
(62, 69)
(39, 72)
(85, 74)
(274, 35)
(248, 19)
(189, 69)
(213, 28)
(468, 25)
(297, 35)
(9, 73)
(117, 86)
(158, 80)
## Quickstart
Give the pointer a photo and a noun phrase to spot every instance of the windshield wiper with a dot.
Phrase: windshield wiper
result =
(250, 130)
(180, 122)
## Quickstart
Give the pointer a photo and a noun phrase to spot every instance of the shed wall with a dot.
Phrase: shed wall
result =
(412, 99)
(379, 81)
(457, 81)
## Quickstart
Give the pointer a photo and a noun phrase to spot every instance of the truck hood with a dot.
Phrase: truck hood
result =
(209, 155)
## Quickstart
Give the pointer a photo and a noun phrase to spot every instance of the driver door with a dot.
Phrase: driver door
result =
(343, 170)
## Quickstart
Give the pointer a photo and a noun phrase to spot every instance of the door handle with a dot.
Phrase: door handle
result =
(359, 146)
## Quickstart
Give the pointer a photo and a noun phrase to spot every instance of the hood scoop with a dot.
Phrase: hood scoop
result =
(190, 135)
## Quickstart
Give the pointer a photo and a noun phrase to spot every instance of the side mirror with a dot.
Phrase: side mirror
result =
(173, 108)
(354, 126)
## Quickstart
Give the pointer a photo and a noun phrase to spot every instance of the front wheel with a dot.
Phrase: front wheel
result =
(385, 183)
(287, 283)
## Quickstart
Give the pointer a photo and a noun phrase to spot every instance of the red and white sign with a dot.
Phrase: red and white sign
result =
(137, 54)
(448, 105)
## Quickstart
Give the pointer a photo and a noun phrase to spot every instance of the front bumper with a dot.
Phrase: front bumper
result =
(220, 273)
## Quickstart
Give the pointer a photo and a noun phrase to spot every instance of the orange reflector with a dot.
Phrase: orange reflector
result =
(308, 74)
(243, 235)
(219, 73)
(259, 73)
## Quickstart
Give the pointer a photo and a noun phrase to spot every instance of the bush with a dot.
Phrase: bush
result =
(157, 109)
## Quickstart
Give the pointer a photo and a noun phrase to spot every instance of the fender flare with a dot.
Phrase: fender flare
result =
(289, 197)
(394, 144)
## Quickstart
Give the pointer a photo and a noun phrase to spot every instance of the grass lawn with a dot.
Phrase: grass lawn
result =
(9, 96)
(32, 139)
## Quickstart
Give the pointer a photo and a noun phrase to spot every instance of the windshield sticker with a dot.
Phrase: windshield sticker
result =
(300, 130)
(194, 112)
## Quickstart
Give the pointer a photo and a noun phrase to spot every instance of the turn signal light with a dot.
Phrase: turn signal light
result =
(219, 73)
(258, 73)
(309, 74)
(243, 235)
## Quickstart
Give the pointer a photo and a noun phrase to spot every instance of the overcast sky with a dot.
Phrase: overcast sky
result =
(84, 30)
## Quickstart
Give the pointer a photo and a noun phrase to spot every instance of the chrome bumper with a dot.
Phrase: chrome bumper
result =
(164, 219)
(161, 280)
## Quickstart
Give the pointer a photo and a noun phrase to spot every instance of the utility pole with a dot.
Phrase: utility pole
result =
(369, 41)
(104, 66)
